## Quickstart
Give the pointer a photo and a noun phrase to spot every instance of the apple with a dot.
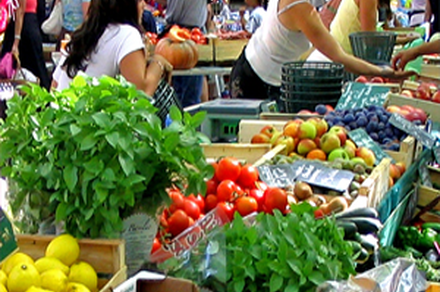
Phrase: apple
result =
(436, 97)
(361, 79)
(359, 160)
(408, 108)
(394, 172)
(329, 142)
(393, 109)
(320, 125)
(407, 93)
(341, 132)
(401, 166)
(305, 112)
(288, 141)
(351, 151)
(275, 137)
(338, 153)
(423, 92)
(422, 116)
(377, 79)
(260, 139)
(305, 146)
(367, 155)
(295, 121)
(307, 130)
(268, 130)
(329, 108)
(291, 130)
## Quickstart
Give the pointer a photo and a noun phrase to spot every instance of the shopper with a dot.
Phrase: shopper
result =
(110, 43)
(23, 38)
(284, 36)
(189, 14)
(256, 17)
(74, 13)
(403, 57)
(433, 11)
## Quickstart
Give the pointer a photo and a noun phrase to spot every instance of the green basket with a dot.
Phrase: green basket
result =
(372, 46)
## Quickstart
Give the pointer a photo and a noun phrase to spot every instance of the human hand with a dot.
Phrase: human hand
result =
(14, 50)
(388, 72)
(403, 57)
(167, 67)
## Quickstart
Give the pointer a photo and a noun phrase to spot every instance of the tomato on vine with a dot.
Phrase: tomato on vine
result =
(248, 176)
(226, 190)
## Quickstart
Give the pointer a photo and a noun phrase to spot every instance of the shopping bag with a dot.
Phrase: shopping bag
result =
(54, 23)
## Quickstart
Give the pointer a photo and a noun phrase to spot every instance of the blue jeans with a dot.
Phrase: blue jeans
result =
(188, 89)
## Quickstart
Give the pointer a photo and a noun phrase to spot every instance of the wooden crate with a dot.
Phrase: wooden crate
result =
(249, 153)
(221, 50)
(107, 257)
(377, 184)
(431, 108)
(433, 287)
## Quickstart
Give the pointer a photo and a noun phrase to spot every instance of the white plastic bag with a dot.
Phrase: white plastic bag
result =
(54, 23)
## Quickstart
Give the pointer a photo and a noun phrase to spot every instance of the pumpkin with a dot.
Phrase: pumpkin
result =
(182, 54)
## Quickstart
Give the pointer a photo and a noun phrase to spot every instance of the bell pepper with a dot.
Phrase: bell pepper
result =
(427, 239)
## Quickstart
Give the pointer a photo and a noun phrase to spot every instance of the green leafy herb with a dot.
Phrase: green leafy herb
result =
(94, 154)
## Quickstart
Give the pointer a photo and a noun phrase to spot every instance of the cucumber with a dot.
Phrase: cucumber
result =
(350, 229)
(361, 212)
(433, 225)
(365, 225)
(369, 243)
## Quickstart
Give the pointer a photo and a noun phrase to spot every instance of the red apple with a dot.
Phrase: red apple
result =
(260, 139)
(408, 108)
(436, 97)
(393, 109)
(329, 108)
(407, 93)
(377, 79)
(268, 130)
(305, 112)
(422, 116)
(423, 92)
(361, 79)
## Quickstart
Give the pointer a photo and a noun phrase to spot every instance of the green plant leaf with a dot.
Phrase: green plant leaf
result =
(74, 130)
(316, 278)
(61, 212)
(89, 142)
(276, 282)
(112, 139)
(102, 120)
(292, 286)
(175, 113)
(239, 285)
(198, 119)
(70, 175)
(126, 163)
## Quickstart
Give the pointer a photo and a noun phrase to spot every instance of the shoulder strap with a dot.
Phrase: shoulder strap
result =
(290, 5)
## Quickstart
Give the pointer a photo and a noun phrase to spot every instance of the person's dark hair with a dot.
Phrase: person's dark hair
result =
(384, 3)
(101, 13)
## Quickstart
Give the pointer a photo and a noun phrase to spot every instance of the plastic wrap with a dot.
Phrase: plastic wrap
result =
(399, 275)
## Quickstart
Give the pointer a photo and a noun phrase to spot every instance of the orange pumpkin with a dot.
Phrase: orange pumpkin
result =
(182, 55)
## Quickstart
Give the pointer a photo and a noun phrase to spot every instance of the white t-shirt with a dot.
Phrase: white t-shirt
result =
(117, 41)
(255, 19)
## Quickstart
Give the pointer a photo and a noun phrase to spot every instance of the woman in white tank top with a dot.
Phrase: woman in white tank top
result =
(285, 34)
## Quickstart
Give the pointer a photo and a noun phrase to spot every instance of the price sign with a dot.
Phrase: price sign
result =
(8, 243)
(358, 95)
(317, 174)
(424, 176)
(421, 135)
(277, 176)
(362, 139)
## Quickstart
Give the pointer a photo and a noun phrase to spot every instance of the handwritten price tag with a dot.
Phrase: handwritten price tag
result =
(8, 243)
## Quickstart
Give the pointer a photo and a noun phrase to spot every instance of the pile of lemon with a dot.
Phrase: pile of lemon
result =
(58, 271)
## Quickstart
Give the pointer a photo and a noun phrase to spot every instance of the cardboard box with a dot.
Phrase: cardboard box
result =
(145, 281)
(221, 50)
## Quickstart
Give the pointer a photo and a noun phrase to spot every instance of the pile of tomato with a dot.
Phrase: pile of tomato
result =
(233, 188)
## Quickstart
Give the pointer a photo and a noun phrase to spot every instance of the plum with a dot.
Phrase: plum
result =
(371, 126)
(381, 126)
(362, 121)
(348, 118)
(321, 109)
(374, 136)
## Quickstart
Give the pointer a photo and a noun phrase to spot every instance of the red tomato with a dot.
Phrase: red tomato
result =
(156, 245)
(163, 220)
(275, 198)
(246, 205)
(191, 209)
(195, 38)
(228, 168)
(215, 166)
(210, 202)
(196, 31)
(227, 208)
(225, 190)
(261, 186)
(184, 33)
(248, 176)
(199, 201)
(203, 40)
(258, 195)
(178, 201)
(211, 187)
(178, 222)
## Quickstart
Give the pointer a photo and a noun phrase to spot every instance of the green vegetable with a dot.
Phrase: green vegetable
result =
(364, 225)
(432, 225)
(427, 239)
(350, 229)
(361, 212)
(95, 154)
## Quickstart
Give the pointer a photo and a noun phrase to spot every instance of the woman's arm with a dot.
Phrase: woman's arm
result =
(368, 14)
(403, 57)
(19, 15)
(428, 11)
(134, 68)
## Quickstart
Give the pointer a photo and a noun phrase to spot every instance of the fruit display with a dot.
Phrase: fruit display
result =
(60, 270)
(375, 79)
(424, 91)
(314, 139)
(375, 121)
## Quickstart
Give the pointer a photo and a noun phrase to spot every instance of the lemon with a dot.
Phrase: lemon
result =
(36, 289)
(54, 280)
(84, 273)
(3, 277)
(65, 248)
(22, 277)
(48, 263)
(3, 288)
(76, 287)
(18, 258)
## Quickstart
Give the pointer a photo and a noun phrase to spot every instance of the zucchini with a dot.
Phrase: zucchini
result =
(433, 225)
(361, 212)
(350, 229)
(365, 225)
